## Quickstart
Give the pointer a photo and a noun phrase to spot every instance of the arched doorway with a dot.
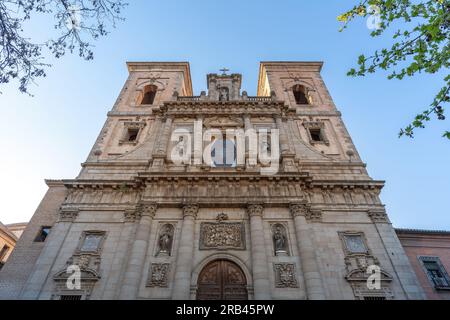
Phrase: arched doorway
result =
(222, 280)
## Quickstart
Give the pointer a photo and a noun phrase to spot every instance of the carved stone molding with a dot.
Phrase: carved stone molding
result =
(222, 217)
(68, 215)
(190, 210)
(158, 275)
(255, 209)
(378, 215)
(221, 235)
(89, 267)
(89, 272)
(285, 275)
(85, 261)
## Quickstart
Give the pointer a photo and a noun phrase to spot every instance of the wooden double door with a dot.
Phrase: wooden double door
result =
(222, 280)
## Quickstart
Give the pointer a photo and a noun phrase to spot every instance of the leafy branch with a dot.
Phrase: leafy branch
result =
(423, 45)
(75, 21)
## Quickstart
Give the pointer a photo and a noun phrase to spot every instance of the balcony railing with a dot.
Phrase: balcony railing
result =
(189, 98)
(259, 99)
(241, 98)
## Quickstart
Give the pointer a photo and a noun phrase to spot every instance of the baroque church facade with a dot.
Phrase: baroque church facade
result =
(138, 223)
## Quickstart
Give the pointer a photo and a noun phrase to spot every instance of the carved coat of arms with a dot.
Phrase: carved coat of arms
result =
(221, 235)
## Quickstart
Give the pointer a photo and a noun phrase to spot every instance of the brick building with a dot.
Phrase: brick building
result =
(429, 253)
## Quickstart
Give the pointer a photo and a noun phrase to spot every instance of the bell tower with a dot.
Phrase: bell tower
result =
(224, 87)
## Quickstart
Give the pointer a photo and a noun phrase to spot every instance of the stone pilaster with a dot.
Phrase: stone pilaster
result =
(130, 284)
(310, 267)
(44, 263)
(112, 282)
(261, 282)
(378, 215)
(161, 149)
(198, 141)
(284, 143)
(183, 270)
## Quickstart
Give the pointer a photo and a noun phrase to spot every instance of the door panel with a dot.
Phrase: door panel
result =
(222, 280)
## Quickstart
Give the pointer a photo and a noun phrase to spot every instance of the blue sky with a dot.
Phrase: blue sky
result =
(50, 134)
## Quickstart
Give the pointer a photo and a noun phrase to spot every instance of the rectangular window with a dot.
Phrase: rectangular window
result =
(3, 252)
(132, 134)
(316, 135)
(436, 272)
(42, 235)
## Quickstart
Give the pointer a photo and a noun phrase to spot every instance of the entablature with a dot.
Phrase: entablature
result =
(223, 108)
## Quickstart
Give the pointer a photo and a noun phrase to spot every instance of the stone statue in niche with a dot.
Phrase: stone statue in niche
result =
(224, 95)
(280, 242)
(165, 240)
(181, 146)
(265, 145)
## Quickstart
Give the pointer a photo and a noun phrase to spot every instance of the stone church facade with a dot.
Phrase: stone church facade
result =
(138, 224)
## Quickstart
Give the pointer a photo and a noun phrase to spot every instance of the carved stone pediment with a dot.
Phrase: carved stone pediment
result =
(222, 235)
(89, 265)
(223, 122)
(362, 275)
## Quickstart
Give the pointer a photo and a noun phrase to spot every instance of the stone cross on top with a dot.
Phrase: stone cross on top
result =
(224, 71)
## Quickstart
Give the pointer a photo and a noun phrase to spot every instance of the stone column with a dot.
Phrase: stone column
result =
(198, 140)
(247, 122)
(136, 260)
(260, 272)
(44, 264)
(310, 267)
(183, 269)
(250, 155)
(284, 143)
(163, 141)
(165, 136)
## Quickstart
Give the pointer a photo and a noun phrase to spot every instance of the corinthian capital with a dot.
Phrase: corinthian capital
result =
(68, 214)
(378, 215)
(148, 209)
(255, 209)
(299, 209)
(190, 210)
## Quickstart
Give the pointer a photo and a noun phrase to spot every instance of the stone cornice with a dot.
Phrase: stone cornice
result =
(138, 182)
(99, 184)
(54, 183)
(115, 163)
(225, 108)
